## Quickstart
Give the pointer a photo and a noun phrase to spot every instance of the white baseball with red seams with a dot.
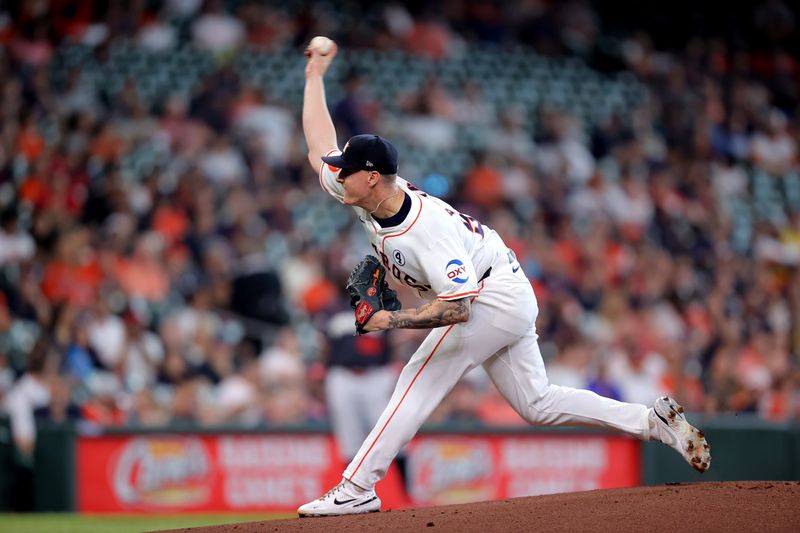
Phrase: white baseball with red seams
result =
(444, 254)
(321, 44)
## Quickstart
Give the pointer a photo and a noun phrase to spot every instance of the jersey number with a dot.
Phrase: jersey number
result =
(471, 224)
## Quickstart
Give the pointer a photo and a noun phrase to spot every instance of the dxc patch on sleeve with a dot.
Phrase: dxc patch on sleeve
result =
(456, 271)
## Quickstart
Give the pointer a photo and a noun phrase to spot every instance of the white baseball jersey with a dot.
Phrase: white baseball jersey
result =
(436, 250)
(443, 254)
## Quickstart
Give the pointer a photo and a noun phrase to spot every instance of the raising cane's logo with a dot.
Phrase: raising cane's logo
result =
(451, 471)
(163, 472)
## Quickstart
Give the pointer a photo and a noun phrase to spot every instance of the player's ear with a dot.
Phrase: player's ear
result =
(374, 178)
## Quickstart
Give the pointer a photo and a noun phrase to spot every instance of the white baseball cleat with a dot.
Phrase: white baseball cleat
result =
(342, 499)
(673, 430)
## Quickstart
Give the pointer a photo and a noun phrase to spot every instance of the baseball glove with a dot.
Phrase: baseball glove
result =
(369, 292)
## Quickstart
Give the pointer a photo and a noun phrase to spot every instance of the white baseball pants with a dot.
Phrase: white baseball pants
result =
(501, 336)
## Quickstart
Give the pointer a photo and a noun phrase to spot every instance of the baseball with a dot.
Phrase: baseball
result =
(321, 44)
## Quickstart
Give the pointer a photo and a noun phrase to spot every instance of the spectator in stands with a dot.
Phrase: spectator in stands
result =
(16, 245)
(32, 45)
(142, 352)
(472, 108)
(79, 96)
(263, 124)
(145, 411)
(483, 184)
(217, 31)
(157, 35)
(602, 385)
(511, 139)
(106, 332)
(222, 164)
(460, 405)
(629, 205)
(430, 112)
(80, 359)
(6, 372)
(239, 395)
(75, 275)
(61, 409)
(561, 148)
(287, 404)
(142, 275)
(30, 392)
(429, 36)
(357, 111)
(774, 149)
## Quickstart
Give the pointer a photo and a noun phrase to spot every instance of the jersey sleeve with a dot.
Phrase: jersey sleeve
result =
(327, 178)
(450, 271)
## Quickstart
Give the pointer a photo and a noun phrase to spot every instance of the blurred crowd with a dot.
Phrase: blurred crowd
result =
(200, 291)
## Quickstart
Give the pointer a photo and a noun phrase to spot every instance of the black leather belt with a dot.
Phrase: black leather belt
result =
(485, 274)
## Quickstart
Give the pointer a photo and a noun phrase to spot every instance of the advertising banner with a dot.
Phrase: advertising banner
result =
(204, 472)
(456, 469)
(279, 472)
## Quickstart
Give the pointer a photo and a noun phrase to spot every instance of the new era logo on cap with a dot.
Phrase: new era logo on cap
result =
(366, 152)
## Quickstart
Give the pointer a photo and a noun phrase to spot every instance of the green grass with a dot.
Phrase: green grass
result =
(119, 523)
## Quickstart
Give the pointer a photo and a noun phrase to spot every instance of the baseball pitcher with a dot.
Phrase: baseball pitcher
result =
(479, 303)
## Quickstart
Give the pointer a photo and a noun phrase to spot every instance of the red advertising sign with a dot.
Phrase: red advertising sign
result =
(457, 469)
(209, 472)
(230, 472)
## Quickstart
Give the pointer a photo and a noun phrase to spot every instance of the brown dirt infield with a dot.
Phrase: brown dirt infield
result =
(731, 506)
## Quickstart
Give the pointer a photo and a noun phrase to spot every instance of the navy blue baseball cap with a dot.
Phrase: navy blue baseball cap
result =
(366, 152)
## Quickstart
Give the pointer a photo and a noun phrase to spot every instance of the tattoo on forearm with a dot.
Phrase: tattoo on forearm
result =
(431, 315)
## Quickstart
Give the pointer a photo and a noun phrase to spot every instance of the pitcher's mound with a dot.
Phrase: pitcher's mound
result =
(731, 506)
